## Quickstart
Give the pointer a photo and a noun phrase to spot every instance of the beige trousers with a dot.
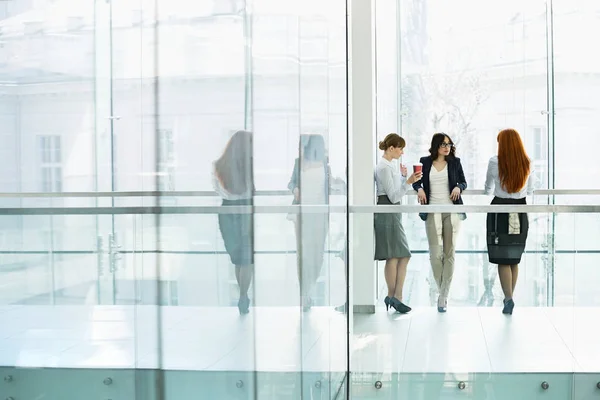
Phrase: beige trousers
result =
(442, 233)
(311, 234)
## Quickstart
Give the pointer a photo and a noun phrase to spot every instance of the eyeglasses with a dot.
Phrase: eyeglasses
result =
(444, 145)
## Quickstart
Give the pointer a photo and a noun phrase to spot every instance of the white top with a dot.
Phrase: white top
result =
(224, 193)
(312, 182)
(438, 185)
(492, 183)
(389, 181)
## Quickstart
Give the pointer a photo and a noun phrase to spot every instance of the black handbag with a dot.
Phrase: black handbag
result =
(504, 248)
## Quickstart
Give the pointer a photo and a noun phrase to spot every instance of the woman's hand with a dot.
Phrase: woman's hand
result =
(296, 194)
(422, 196)
(455, 195)
(416, 177)
(403, 170)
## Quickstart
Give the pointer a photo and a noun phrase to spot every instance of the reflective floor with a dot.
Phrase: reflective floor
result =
(191, 338)
(270, 339)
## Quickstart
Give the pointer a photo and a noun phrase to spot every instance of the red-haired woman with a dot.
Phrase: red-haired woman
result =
(233, 180)
(509, 179)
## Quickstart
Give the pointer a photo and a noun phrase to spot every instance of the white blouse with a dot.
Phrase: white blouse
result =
(224, 193)
(439, 189)
(312, 182)
(389, 181)
(493, 185)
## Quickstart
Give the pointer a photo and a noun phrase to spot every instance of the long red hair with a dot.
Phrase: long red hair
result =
(234, 167)
(513, 163)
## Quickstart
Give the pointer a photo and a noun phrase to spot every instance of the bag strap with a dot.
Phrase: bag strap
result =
(496, 224)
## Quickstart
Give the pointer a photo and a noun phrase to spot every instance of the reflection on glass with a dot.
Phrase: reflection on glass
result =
(234, 182)
(106, 96)
(310, 184)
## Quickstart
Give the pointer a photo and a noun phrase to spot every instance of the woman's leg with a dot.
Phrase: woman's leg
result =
(400, 276)
(450, 228)
(318, 235)
(297, 232)
(506, 280)
(391, 272)
(434, 230)
(312, 235)
(515, 274)
(243, 274)
(344, 256)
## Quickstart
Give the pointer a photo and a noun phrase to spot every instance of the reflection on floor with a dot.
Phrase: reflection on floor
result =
(478, 340)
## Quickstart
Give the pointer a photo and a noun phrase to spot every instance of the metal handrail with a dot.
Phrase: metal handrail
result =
(301, 209)
(173, 193)
(207, 193)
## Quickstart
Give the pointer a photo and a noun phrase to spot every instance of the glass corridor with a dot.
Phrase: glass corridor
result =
(115, 279)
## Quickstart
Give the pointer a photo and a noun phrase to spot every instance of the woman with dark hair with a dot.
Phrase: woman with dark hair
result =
(310, 185)
(233, 180)
(509, 179)
(443, 183)
(391, 243)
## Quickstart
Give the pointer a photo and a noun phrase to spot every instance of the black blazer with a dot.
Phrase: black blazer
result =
(456, 178)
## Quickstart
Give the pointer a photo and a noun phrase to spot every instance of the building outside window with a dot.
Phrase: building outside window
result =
(539, 143)
(166, 160)
(50, 153)
(540, 155)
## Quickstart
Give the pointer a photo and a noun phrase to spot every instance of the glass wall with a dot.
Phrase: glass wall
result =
(514, 65)
(209, 110)
(440, 70)
(174, 217)
(471, 69)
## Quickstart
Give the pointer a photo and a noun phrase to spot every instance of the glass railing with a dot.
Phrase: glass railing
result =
(141, 297)
(107, 297)
(544, 350)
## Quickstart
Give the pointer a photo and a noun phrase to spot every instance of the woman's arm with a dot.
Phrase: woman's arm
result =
(395, 187)
(462, 181)
(419, 184)
(489, 179)
(532, 182)
(293, 184)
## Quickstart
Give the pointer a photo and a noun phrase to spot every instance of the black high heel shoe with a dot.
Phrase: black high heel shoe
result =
(387, 303)
(307, 303)
(342, 309)
(399, 306)
(244, 305)
(509, 305)
(442, 305)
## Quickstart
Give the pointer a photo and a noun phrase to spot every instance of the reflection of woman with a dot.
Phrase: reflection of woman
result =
(391, 243)
(310, 185)
(233, 181)
(509, 178)
(443, 182)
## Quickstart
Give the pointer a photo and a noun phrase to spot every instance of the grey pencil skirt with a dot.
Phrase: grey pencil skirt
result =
(237, 231)
(390, 237)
